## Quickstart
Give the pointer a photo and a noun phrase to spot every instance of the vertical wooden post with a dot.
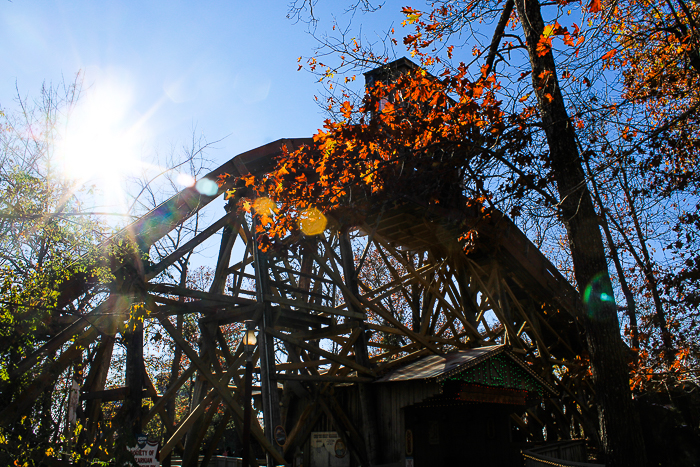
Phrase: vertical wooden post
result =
(95, 381)
(268, 380)
(201, 388)
(247, 412)
(228, 237)
(134, 377)
(367, 400)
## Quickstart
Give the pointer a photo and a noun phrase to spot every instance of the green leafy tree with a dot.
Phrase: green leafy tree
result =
(46, 238)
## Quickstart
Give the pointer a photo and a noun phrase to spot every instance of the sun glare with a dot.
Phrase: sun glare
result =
(103, 137)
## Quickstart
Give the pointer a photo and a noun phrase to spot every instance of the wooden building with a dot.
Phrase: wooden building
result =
(440, 410)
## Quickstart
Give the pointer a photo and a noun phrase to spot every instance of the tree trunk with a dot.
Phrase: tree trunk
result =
(614, 255)
(618, 420)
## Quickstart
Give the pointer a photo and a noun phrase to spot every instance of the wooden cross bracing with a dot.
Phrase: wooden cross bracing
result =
(344, 307)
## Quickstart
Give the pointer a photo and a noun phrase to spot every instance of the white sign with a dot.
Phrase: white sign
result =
(328, 450)
(145, 455)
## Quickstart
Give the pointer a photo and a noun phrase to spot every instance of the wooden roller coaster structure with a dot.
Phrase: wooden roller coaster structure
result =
(322, 318)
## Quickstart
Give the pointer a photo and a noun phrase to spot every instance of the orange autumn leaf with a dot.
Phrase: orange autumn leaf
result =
(595, 6)
(609, 55)
(346, 109)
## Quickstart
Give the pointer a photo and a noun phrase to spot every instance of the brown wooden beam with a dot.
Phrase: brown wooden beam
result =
(360, 302)
(317, 350)
(166, 262)
(220, 386)
(324, 378)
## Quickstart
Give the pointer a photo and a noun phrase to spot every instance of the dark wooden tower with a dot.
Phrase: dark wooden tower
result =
(354, 303)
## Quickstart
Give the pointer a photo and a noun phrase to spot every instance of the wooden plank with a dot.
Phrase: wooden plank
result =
(172, 289)
(232, 315)
(313, 307)
(324, 378)
(300, 365)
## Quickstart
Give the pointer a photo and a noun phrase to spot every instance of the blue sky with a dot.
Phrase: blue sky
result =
(155, 70)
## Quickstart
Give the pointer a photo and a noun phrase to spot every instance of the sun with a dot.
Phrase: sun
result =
(103, 137)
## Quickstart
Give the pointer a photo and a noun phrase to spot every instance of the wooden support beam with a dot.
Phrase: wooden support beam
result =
(166, 262)
(269, 393)
(187, 423)
(313, 307)
(214, 441)
(409, 267)
(315, 277)
(301, 431)
(169, 393)
(191, 455)
(133, 375)
(324, 378)
(48, 376)
(153, 394)
(332, 330)
(317, 350)
(538, 339)
(356, 447)
(298, 291)
(172, 289)
(400, 361)
(55, 343)
(221, 387)
(488, 293)
(228, 238)
(236, 314)
(355, 436)
(95, 381)
(299, 366)
(360, 302)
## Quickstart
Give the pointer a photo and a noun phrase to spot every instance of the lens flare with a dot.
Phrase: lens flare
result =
(312, 222)
(264, 206)
(207, 187)
(598, 295)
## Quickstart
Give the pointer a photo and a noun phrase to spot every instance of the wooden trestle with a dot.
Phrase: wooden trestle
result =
(354, 302)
